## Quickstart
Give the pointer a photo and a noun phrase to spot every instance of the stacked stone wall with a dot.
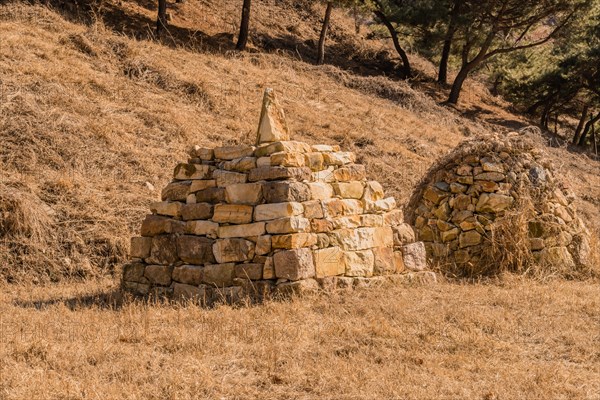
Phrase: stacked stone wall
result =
(467, 194)
(281, 216)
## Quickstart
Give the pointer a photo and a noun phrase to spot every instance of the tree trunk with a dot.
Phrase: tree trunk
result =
(244, 26)
(356, 20)
(458, 83)
(406, 70)
(321, 56)
(161, 21)
(589, 125)
(581, 123)
(595, 143)
(443, 72)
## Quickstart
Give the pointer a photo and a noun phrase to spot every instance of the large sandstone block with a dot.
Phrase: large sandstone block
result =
(384, 262)
(371, 220)
(155, 225)
(414, 256)
(279, 192)
(352, 207)
(189, 274)
(198, 185)
(393, 217)
(243, 164)
(293, 240)
(263, 245)
(324, 176)
(339, 158)
(244, 230)
(359, 263)
(294, 264)
(233, 152)
(195, 250)
(373, 191)
(288, 225)
(226, 178)
(469, 238)
(325, 148)
(196, 211)
(313, 209)
(176, 191)
(320, 190)
(266, 212)
(185, 171)
(383, 236)
(140, 247)
(252, 271)
(403, 234)
(134, 272)
(380, 206)
(278, 173)
(351, 221)
(159, 274)
(289, 146)
(211, 195)
(349, 190)
(287, 159)
(315, 161)
(183, 292)
(233, 213)
(350, 172)
(272, 125)
(244, 193)
(329, 262)
(163, 250)
(202, 153)
(493, 203)
(233, 250)
(354, 239)
(269, 269)
(332, 208)
(219, 275)
(168, 208)
(322, 225)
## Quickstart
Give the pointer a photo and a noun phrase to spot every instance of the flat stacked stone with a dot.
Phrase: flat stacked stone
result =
(279, 216)
(463, 197)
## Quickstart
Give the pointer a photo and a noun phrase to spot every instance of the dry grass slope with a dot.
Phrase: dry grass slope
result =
(89, 118)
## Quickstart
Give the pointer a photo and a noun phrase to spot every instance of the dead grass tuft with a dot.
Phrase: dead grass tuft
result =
(24, 216)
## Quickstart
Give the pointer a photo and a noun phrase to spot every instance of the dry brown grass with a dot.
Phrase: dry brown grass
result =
(512, 339)
(87, 117)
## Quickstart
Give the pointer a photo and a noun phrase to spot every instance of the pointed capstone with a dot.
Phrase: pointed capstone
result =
(272, 126)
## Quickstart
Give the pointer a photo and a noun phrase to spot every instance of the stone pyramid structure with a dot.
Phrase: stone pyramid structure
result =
(280, 216)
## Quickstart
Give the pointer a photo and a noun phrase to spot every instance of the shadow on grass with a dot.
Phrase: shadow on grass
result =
(111, 299)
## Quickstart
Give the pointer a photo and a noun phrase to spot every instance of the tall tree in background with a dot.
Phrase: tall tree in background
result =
(382, 9)
(324, 28)
(561, 78)
(244, 26)
(501, 26)
(161, 21)
(450, 31)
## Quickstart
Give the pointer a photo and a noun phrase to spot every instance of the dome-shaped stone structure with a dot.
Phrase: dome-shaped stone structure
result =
(282, 215)
(495, 203)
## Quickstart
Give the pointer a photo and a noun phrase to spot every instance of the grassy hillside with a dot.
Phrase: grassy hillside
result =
(93, 121)
(94, 116)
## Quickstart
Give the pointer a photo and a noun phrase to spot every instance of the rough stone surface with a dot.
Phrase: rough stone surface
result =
(233, 250)
(244, 222)
(294, 264)
(477, 188)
